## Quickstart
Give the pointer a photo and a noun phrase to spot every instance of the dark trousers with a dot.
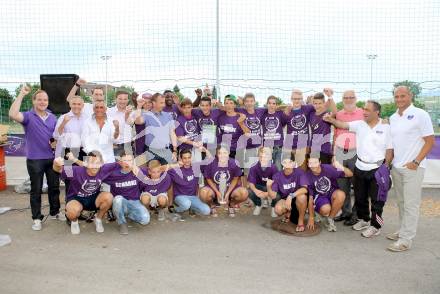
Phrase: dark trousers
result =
(257, 200)
(345, 183)
(36, 169)
(365, 186)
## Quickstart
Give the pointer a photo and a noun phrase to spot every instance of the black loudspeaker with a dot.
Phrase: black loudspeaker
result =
(58, 87)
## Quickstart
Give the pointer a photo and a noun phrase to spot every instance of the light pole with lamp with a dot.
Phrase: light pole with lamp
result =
(372, 57)
(106, 58)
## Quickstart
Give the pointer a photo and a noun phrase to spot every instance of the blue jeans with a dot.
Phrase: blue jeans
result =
(134, 209)
(194, 203)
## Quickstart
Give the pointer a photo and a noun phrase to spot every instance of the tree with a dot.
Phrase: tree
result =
(359, 104)
(414, 87)
(214, 92)
(111, 94)
(27, 100)
(5, 103)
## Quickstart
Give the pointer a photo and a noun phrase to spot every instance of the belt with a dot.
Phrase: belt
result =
(376, 162)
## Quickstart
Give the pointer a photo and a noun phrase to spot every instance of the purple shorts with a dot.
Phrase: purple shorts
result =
(322, 200)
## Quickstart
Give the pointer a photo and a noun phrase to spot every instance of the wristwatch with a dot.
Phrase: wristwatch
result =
(416, 162)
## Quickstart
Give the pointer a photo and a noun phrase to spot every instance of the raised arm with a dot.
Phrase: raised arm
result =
(14, 111)
(337, 123)
(80, 82)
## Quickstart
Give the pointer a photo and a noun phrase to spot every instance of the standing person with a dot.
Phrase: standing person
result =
(143, 105)
(248, 157)
(374, 149)
(327, 197)
(126, 187)
(84, 190)
(171, 103)
(39, 125)
(187, 127)
(412, 135)
(321, 130)
(289, 189)
(259, 174)
(273, 130)
(97, 96)
(68, 132)
(223, 170)
(185, 181)
(99, 133)
(160, 135)
(345, 152)
(230, 126)
(121, 112)
(297, 118)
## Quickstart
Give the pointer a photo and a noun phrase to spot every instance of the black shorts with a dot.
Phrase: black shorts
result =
(88, 203)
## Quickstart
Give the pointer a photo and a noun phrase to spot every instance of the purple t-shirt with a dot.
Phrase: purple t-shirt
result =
(273, 124)
(259, 175)
(253, 123)
(127, 185)
(284, 185)
(156, 187)
(185, 181)
(37, 134)
(189, 128)
(173, 109)
(84, 185)
(326, 182)
(214, 172)
(229, 131)
(321, 134)
(298, 126)
(207, 120)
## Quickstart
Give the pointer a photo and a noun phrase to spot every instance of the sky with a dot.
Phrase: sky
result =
(265, 47)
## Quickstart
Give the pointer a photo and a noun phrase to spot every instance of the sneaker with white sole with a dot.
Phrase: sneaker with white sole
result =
(265, 203)
(361, 225)
(393, 236)
(399, 246)
(98, 225)
(36, 225)
(123, 229)
(370, 232)
(273, 213)
(331, 227)
(74, 228)
(161, 215)
(59, 216)
(257, 210)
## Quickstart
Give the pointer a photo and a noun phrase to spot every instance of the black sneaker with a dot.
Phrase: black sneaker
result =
(350, 222)
(341, 218)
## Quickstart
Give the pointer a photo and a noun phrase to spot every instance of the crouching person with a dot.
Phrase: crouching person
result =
(156, 189)
(126, 186)
(327, 197)
(84, 190)
(289, 188)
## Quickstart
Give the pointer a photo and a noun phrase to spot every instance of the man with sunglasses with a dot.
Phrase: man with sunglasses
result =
(345, 152)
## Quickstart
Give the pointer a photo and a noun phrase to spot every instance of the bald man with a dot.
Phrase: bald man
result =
(412, 136)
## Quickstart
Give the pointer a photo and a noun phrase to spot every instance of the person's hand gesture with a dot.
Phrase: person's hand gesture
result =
(25, 89)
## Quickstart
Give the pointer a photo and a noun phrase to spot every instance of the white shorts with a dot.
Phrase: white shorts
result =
(153, 199)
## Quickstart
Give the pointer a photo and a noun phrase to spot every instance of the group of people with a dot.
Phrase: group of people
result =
(157, 153)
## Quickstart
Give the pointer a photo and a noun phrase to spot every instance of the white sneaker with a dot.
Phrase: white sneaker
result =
(370, 232)
(36, 226)
(399, 246)
(98, 225)
(257, 210)
(318, 218)
(74, 228)
(273, 213)
(360, 225)
(331, 227)
(161, 215)
(393, 236)
(265, 203)
(59, 216)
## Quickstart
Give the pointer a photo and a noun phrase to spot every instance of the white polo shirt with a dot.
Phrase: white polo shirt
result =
(407, 132)
(125, 134)
(372, 143)
(94, 138)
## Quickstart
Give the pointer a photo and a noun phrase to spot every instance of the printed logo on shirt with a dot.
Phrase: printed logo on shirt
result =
(271, 123)
(323, 185)
(289, 186)
(298, 121)
(126, 184)
(191, 126)
(410, 117)
(218, 175)
(228, 129)
(379, 132)
(190, 178)
(206, 121)
(253, 123)
(91, 186)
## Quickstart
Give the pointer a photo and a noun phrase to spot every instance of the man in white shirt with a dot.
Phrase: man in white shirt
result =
(412, 135)
(121, 112)
(99, 133)
(373, 148)
(97, 96)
